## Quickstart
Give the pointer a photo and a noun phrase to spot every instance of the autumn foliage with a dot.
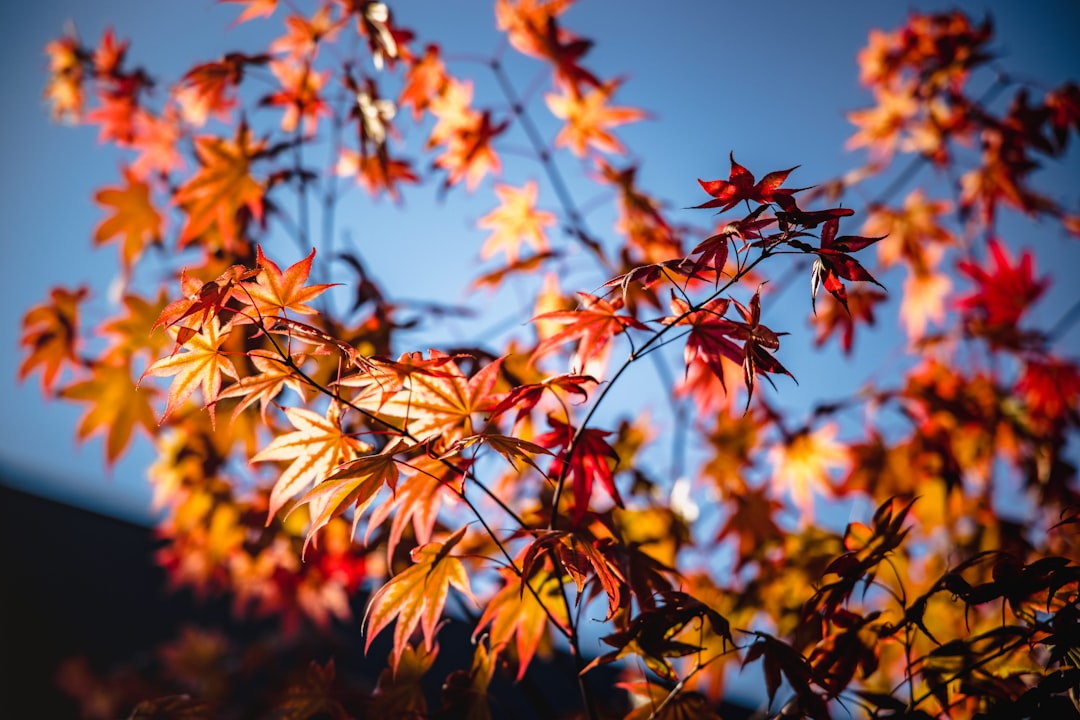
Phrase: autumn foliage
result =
(308, 455)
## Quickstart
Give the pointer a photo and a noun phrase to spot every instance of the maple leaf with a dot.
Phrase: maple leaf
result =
(201, 364)
(714, 338)
(254, 9)
(1004, 292)
(131, 332)
(377, 172)
(924, 301)
(222, 187)
(880, 125)
(399, 692)
(353, 484)
(117, 406)
(465, 692)
(156, 141)
(437, 403)
(425, 79)
(740, 186)
(303, 36)
(299, 94)
(515, 220)
(50, 331)
(583, 558)
(835, 317)
(592, 324)
(273, 376)
(532, 29)
(209, 298)
(801, 464)
(116, 116)
(640, 218)
(905, 232)
(751, 521)
(453, 111)
(588, 118)
(417, 596)
(1051, 388)
(210, 88)
(469, 154)
(833, 262)
(651, 634)
(316, 447)
(593, 459)
(516, 616)
(64, 89)
(793, 215)
(523, 21)
(525, 397)
(416, 501)
(134, 218)
(275, 292)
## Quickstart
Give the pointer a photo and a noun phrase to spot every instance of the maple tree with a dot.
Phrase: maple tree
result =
(495, 483)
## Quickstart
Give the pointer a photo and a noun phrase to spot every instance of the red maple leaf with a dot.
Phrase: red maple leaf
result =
(1005, 291)
(593, 325)
(592, 459)
(833, 262)
(740, 186)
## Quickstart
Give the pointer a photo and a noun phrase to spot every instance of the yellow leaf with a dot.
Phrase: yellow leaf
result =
(417, 596)
(201, 364)
(316, 447)
(515, 221)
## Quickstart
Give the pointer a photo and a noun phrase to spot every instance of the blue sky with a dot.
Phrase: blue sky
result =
(771, 83)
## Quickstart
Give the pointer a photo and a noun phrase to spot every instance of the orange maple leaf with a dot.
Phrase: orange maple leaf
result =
(424, 81)
(156, 139)
(453, 111)
(316, 447)
(469, 154)
(274, 376)
(302, 36)
(50, 330)
(276, 292)
(515, 220)
(202, 364)
(524, 22)
(254, 9)
(593, 324)
(210, 88)
(880, 125)
(64, 90)
(516, 616)
(134, 218)
(299, 95)
(906, 232)
(417, 595)
(439, 402)
(416, 501)
(803, 462)
(377, 172)
(353, 484)
(925, 294)
(131, 333)
(117, 406)
(532, 29)
(588, 119)
(222, 187)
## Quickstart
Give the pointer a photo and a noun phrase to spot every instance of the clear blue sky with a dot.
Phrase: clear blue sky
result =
(773, 83)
